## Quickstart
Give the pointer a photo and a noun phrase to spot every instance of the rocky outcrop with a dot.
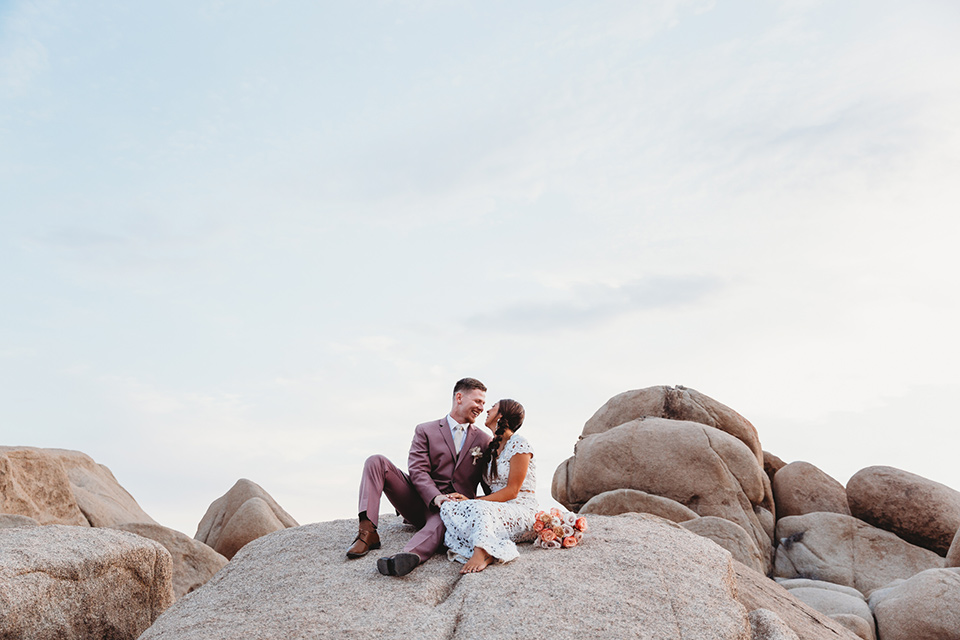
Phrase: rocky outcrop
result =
(58, 486)
(800, 488)
(193, 562)
(921, 511)
(674, 403)
(246, 512)
(641, 568)
(847, 551)
(707, 470)
(755, 592)
(925, 606)
(612, 503)
(731, 537)
(767, 625)
(68, 582)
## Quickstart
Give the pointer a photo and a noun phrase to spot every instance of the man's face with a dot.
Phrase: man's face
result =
(469, 404)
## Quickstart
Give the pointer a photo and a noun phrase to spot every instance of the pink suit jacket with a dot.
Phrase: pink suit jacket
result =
(434, 466)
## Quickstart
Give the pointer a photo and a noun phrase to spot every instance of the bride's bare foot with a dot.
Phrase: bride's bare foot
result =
(479, 561)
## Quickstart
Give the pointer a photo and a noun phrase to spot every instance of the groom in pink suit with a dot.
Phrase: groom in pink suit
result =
(441, 466)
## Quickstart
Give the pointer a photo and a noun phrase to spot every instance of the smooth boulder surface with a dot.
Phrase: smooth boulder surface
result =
(674, 403)
(11, 521)
(731, 537)
(705, 469)
(246, 512)
(919, 510)
(831, 602)
(62, 582)
(677, 584)
(59, 486)
(925, 606)
(847, 551)
(756, 591)
(194, 563)
(612, 503)
(857, 625)
(800, 488)
(953, 554)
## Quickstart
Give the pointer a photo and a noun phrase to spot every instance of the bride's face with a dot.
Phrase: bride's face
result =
(493, 414)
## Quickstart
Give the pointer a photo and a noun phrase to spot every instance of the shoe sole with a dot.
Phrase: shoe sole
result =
(354, 556)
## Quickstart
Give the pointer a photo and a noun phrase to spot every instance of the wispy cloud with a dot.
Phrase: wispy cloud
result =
(591, 304)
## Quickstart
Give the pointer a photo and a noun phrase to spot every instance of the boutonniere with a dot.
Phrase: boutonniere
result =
(476, 452)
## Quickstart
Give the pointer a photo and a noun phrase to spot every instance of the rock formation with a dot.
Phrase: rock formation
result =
(246, 512)
(612, 503)
(193, 562)
(731, 537)
(57, 486)
(800, 488)
(704, 469)
(640, 568)
(70, 583)
(844, 550)
(925, 606)
(921, 511)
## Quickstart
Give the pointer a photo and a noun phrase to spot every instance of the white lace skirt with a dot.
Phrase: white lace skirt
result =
(492, 526)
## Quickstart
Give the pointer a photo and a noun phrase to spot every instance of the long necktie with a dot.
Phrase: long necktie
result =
(458, 432)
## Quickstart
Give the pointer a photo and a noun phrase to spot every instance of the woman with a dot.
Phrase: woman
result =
(484, 530)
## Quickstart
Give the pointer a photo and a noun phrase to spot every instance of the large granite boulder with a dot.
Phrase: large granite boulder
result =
(674, 403)
(12, 521)
(244, 513)
(612, 503)
(635, 576)
(731, 537)
(925, 606)
(58, 486)
(767, 625)
(70, 583)
(835, 603)
(193, 562)
(772, 464)
(706, 470)
(800, 488)
(953, 554)
(626, 570)
(847, 551)
(921, 511)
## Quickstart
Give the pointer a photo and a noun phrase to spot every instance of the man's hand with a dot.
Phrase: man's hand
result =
(444, 497)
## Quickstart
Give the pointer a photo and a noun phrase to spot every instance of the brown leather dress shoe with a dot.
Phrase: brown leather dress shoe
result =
(399, 564)
(367, 538)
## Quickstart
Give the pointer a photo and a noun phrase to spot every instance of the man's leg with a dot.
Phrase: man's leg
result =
(428, 539)
(422, 545)
(380, 476)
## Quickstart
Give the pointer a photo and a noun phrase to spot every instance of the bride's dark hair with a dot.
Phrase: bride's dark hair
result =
(511, 417)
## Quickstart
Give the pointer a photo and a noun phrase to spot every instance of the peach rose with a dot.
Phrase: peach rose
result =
(556, 512)
(548, 535)
(569, 541)
(581, 524)
(538, 526)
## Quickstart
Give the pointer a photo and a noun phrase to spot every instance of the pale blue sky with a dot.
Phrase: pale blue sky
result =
(263, 239)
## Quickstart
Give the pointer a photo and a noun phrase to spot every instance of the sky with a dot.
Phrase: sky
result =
(263, 239)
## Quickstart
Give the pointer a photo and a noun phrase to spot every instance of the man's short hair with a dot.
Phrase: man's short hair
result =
(467, 384)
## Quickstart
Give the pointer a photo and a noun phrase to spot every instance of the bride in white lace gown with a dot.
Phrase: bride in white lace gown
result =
(485, 530)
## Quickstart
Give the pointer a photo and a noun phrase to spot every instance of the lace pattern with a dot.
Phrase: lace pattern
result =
(493, 526)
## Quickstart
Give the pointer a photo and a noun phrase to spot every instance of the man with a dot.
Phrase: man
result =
(441, 468)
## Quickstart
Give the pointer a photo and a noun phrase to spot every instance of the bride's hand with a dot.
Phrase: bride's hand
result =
(457, 497)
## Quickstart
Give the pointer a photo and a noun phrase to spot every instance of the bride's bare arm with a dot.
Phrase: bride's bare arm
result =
(519, 464)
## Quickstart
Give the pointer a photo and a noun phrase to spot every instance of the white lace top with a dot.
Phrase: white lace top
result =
(516, 444)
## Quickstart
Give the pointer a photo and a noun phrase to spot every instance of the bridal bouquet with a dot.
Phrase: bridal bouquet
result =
(556, 529)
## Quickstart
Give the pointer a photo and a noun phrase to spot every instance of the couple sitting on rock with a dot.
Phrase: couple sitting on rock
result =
(448, 458)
